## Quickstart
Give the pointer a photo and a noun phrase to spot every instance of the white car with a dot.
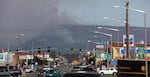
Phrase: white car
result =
(47, 68)
(110, 70)
(28, 70)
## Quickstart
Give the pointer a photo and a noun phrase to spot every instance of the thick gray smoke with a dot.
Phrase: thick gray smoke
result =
(30, 17)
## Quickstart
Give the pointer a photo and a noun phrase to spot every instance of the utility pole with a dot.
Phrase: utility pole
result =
(127, 30)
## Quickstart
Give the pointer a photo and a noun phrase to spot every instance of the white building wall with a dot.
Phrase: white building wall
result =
(6, 58)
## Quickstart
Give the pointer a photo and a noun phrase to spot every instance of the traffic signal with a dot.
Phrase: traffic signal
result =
(71, 49)
(17, 49)
(48, 49)
(80, 49)
(39, 50)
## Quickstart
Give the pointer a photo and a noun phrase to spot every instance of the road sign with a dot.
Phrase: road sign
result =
(107, 56)
(114, 62)
(123, 50)
(141, 47)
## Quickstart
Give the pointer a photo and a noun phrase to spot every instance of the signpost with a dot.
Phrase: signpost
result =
(108, 58)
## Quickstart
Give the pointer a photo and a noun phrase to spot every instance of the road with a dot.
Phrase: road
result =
(34, 74)
(62, 69)
(109, 76)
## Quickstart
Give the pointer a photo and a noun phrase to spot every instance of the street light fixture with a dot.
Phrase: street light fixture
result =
(93, 42)
(137, 10)
(103, 41)
(112, 29)
(115, 19)
(103, 33)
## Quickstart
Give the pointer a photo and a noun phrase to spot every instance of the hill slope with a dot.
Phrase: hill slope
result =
(77, 36)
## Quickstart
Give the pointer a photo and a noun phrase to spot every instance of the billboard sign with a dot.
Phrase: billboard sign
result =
(131, 41)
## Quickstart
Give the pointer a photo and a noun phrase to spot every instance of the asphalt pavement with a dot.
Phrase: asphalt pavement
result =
(63, 69)
(33, 74)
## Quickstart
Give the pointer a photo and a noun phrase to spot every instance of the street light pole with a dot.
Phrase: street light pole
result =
(32, 51)
(8, 63)
(145, 33)
(18, 60)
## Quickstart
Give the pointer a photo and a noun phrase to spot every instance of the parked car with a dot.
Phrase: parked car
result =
(28, 70)
(47, 68)
(41, 72)
(82, 68)
(111, 70)
(52, 73)
(75, 68)
(15, 72)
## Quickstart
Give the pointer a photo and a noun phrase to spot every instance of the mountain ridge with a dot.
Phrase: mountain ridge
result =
(77, 36)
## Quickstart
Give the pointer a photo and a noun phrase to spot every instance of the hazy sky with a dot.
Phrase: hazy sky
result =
(94, 11)
(32, 17)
